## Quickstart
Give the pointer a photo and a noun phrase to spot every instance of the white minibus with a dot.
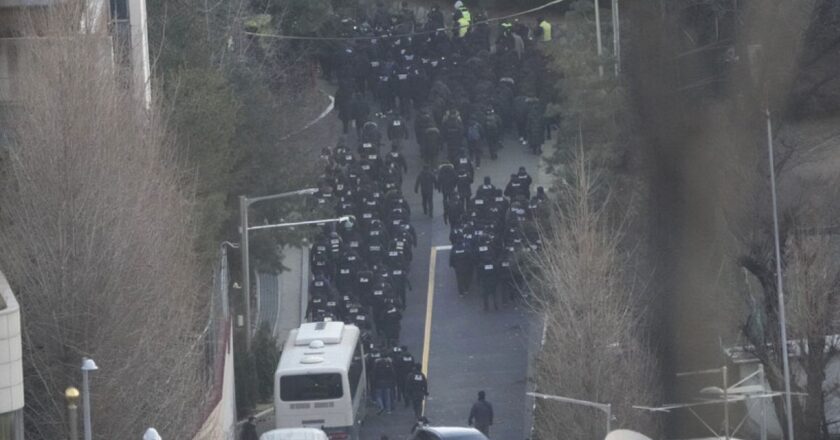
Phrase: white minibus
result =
(320, 380)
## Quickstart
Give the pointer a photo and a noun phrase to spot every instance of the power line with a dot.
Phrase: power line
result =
(489, 20)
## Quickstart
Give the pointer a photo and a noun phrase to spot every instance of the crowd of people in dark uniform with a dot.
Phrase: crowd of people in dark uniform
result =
(463, 94)
(489, 232)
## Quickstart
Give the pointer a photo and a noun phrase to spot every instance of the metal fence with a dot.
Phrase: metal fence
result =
(216, 334)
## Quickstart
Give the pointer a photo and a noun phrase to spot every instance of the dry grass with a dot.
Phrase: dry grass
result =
(97, 241)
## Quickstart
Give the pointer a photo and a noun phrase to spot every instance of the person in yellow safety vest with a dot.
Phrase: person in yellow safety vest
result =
(463, 18)
(543, 31)
(465, 13)
(463, 26)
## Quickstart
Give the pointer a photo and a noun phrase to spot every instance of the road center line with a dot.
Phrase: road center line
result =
(430, 304)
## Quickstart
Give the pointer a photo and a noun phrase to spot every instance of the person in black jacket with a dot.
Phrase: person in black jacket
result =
(385, 381)
(360, 111)
(417, 388)
(249, 430)
(403, 365)
(525, 180)
(397, 158)
(343, 102)
(461, 259)
(447, 179)
(481, 414)
(397, 130)
(453, 210)
(426, 182)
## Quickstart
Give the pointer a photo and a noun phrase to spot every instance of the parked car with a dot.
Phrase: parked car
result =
(294, 434)
(447, 433)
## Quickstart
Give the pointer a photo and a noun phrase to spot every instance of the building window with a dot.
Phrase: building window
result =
(119, 9)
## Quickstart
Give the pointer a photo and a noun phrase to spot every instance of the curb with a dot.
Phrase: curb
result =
(323, 115)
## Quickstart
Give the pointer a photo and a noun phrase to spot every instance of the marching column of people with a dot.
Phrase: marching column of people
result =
(464, 92)
(490, 231)
(463, 89)
(359, 269)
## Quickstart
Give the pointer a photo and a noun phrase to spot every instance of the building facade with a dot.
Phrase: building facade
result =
(11, 365)
(123, 20)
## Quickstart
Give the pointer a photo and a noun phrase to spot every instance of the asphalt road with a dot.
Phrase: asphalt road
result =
(469, 349)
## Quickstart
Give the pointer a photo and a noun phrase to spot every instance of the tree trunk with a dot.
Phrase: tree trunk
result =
(812, 424)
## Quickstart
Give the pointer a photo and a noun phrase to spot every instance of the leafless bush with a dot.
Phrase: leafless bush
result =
(595, 346)
(97, 241)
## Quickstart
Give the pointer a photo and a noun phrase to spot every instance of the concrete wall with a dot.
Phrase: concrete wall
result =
(220, 424)
(11, 358)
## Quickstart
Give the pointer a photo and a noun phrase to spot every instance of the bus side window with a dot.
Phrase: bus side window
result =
(355, 373)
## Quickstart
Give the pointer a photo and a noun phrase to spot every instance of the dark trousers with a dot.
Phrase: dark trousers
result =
(401, 391)
(475, 152)
(464, 278)
(417, 405)
(428, 206)
(465, 192)
(446, 195)
(405, 106)
(488, 290)
(493, 146)
(521, 129)
(359, 123)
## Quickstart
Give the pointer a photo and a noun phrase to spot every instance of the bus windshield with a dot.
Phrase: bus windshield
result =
(311, 387)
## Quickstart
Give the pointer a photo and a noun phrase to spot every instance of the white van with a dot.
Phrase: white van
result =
(294, 434)
(320, 380)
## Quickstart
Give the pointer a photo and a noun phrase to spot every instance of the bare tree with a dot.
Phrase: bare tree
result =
(812, 290)
(98, 237)
(596, 346)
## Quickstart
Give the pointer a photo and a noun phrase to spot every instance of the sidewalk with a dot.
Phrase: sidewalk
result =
(282, 305)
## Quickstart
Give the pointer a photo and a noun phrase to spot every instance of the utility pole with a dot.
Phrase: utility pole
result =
(724, 371)
(616, 23)
(246, 269)
(244, 204)
(598, 36)
(779, 286)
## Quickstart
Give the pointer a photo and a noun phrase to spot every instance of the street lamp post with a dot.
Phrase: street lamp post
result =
(779, 284)
(88, 365)
(598, 36)
(224, 262)
(605, 407)
(244, 204)
(616, 23)
(72, 396)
